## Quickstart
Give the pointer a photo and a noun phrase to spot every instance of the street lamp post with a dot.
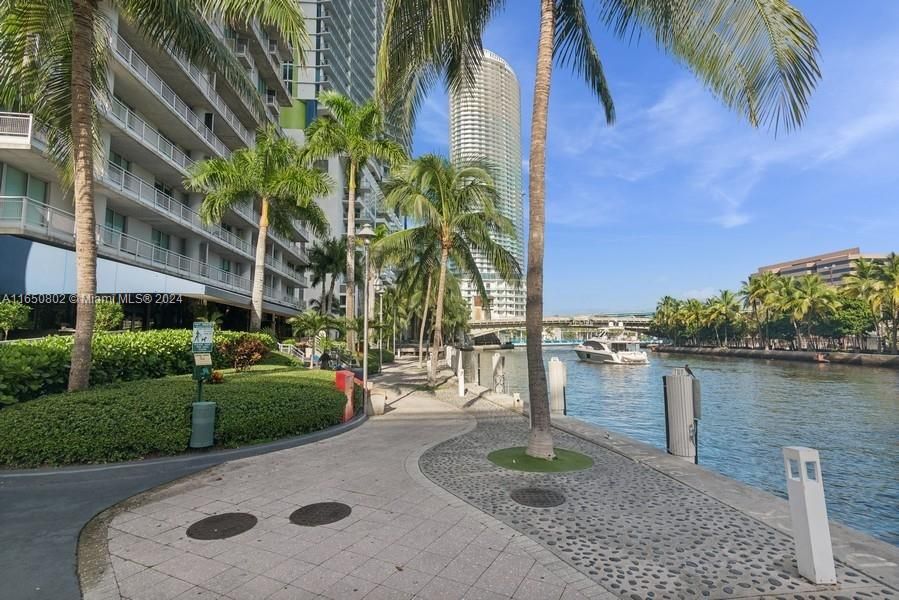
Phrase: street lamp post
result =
(380, 326)
(366, 235)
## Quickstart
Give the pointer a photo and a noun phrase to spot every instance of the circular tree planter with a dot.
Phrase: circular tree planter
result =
(516, 460)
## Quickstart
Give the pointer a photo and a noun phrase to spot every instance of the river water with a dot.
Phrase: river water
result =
(751, 409)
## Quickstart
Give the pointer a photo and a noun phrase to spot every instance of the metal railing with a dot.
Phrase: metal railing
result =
(151, 79)
(149, 135)
(147, 194)
(27, 215)
(16, 124)
(282, 268)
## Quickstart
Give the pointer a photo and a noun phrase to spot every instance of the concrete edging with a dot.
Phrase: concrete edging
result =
(886, 361)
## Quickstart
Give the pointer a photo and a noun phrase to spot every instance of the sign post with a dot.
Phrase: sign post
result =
(201, 346)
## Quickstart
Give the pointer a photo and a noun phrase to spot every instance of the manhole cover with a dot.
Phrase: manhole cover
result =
(219, 527)
(321, 513)
(537, 497)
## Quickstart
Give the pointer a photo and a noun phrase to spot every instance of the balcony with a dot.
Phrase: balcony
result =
(16, 131)
(145, 133)
(139, 68)
(22, 215)
(241, 51)
(269, 64)
(134, 188)
(281, 268)
(252, 217)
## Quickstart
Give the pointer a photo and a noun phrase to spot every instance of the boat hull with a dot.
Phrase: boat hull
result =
(611, 358)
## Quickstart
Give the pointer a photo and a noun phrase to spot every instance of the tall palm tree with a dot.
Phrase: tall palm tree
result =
(759, 57)
(53, 65)
(866, 285)
(272, 174)
(888, 272)
(454, 205)
(724, 309)
(757, 295)
(327, 258)
(355, 133)
(809, 300)
(312, 323)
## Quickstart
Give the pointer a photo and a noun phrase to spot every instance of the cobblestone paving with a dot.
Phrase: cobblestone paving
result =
(637, 532)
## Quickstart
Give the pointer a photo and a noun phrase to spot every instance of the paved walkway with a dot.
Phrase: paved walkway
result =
(405, 538)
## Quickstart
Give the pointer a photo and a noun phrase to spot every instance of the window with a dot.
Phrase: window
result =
(226, 265)
(162, 242)
(119, 161)
(15, 182)
(116, 225)
(116, 221)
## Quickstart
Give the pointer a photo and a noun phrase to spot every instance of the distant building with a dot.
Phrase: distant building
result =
(832, 267)
(485, 124)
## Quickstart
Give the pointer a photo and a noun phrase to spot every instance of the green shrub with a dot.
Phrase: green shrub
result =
(13, 315)
(108, 316)
(32, 369)
(125, 421)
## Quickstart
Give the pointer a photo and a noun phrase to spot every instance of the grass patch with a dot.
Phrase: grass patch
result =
(517, 460)
(151, 417)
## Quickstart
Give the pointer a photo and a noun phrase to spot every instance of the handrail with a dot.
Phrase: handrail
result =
(30, 215)
(147, 194)
(147, 133)
(145, 73)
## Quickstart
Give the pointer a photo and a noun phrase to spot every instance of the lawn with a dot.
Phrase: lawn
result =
(151, 417)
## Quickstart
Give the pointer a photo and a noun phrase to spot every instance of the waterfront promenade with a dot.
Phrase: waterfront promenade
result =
(432, 519)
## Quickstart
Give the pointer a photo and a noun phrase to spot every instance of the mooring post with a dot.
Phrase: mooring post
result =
(558, 380)
(680, 418)
(808, 515)
(499, 375)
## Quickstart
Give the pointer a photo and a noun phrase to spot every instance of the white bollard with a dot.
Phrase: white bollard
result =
(448, 356)
(558, 380)
(499, 375)
(679, 416)
(808, 514)
(461, 378)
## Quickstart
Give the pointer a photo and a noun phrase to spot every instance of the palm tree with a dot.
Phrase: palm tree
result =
(809, 300)
(53, 65)
(355, 133)
(455, 206)
(273, 174)
(888, 273)
(723, 309)
(327, 258)
(757, 294)
(865, 284)
(311, 323)
(758, 57)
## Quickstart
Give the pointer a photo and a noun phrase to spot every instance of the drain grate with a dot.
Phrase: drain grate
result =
(219, 527)
(320, 513)
(537, 497)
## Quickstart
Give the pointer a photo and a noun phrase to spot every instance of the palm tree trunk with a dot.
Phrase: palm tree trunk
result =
(83, 14)
(438, 316)
(424, 320)
(259, 270)
(350, 312)
(330, 297)
(540, 441)
(322, 303)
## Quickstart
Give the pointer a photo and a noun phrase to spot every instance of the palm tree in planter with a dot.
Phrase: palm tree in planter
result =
(311, 323)
(759, 57)
(272, 174)
(356, 133)
(454, 205)
(53, 57)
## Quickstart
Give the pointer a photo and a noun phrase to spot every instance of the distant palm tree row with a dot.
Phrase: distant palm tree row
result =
(771, 311)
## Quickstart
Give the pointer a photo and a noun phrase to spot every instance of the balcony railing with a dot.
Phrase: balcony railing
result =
(139, 67)
(17, 125)
(282, 268)
(26, 215)
(149, 135)
(134, 187)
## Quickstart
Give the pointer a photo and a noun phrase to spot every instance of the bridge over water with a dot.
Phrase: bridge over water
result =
(584, 325)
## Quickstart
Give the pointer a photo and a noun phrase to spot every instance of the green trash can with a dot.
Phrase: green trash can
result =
(202, 424)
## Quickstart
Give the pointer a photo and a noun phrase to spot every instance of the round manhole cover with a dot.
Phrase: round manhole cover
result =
(320, 513)
(219, 527)
(537, 497)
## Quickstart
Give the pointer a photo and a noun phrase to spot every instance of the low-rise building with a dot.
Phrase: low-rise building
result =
(832, 266)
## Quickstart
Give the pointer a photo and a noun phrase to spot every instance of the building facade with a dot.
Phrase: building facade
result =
(164, 113)
(344, 36)
(485, 124)
(832, 266)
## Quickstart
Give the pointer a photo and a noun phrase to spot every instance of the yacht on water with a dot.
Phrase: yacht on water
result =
(616, 351)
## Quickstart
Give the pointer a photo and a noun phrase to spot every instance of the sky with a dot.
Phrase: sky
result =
(682, 197)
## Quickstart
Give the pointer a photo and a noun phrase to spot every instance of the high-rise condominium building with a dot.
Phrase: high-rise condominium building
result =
(832, 266)
(344, 36)
(164, 113)
(485, 124)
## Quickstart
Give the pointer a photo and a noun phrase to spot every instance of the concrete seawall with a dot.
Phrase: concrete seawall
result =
(890, 361)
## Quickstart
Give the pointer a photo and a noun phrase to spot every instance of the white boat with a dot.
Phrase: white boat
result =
(612, 351)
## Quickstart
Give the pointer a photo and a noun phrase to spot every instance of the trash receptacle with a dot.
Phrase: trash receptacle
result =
(202, 427)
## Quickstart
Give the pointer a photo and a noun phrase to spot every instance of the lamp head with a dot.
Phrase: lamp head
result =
(366, 234)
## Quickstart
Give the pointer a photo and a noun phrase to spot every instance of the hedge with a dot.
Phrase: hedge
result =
(32, 369)
(124, 421)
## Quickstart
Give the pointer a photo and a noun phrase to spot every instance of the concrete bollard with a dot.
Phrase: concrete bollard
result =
(348, 380)
(378, 403)
(680, 418)
(808, 515)
(558, 381)
(499, 373)
(448, 356)
(461, 378)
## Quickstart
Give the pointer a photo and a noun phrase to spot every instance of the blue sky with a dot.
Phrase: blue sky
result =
(682, 197)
